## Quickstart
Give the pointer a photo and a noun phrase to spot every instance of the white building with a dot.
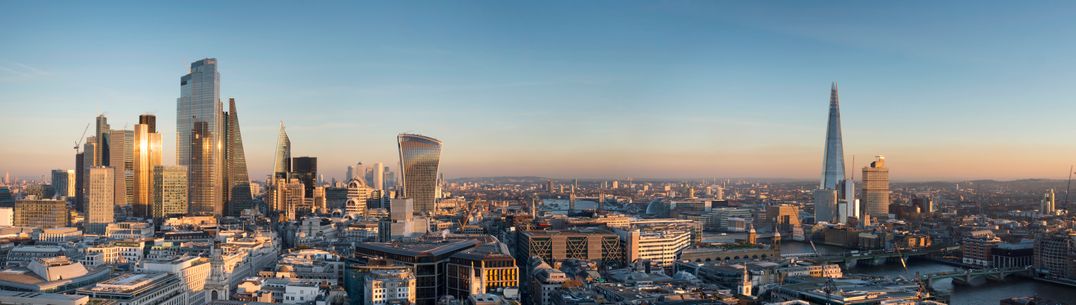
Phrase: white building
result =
(389, 285)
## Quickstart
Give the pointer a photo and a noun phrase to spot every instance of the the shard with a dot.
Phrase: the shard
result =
(237, 195)
(833, 159)
(282, 162)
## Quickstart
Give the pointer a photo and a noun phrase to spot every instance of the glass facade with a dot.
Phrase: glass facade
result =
(282, 161)
(237, 181)
(147, 156)
(199, 106)
(833, 160)
(419, 158)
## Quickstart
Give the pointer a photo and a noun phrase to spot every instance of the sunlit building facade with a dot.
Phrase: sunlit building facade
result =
(199, 140)
(419, 158)
(100, 199)
(41, 213)
(282, 158)
(876, 189)
(147, 156)
(169, 191)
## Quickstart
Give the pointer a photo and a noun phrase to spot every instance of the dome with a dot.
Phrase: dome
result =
(657, 208)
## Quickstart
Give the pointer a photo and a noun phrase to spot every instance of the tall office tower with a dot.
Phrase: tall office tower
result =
(121, 149)
(203, 198)
(876, 189)
(99, 208)
(282, 159)
(169, 191)
(833, 160)
(101, 134)
(419, 158)
(60, 182)
(305, 169)
(89, 150)
(378, 172)
(825, 205)
(350, 173)
(78, 181)
(237, 194)
(390, 179)
(147, 156)
(199, 139)
(1048, 203)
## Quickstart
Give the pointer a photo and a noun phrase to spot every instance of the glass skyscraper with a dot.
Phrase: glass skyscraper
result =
(237, 181)
(199, 126)
(282, 160)
(833, 160)
(419, 158)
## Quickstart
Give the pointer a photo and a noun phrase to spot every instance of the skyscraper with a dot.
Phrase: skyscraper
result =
(1048, 205)
(99, 207)
(169, 191)
(306, 170)
(102, 130)
(236, 180)
(147, 156)
(833, 158)
(199, 139)
(203, 198)
(63, 182)
(825, 205)
(378, 172)
(876, 189)
(282, 160)
(79, 181)
(89, 150)
(419, 157)
(121, 151)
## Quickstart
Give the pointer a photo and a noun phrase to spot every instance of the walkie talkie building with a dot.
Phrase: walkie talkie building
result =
(419, 158)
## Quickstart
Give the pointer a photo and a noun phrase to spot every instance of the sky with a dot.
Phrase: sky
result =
(592, 89)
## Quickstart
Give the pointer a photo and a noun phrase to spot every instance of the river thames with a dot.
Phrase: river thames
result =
(985, 294)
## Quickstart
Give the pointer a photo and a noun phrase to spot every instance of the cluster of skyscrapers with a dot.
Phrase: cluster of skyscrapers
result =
(835, 200)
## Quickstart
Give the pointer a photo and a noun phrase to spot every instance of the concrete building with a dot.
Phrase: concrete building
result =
(876, 189)
(389, 286)
(191, 270)
(139, 289)
(50, 274)
(37, 298)
(658, 245)
(101, 202)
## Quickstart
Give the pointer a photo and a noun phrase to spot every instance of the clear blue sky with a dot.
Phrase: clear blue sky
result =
(946, 90)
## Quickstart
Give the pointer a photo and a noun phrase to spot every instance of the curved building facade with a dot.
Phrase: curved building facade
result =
(419, 158)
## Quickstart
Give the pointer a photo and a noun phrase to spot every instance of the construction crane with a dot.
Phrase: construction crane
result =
(924, 290)
(78, 141)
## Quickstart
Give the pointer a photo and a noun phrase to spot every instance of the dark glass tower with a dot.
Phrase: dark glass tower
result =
(306, 170)
(833, 159)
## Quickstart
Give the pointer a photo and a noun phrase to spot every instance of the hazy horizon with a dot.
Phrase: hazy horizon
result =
(946, 91)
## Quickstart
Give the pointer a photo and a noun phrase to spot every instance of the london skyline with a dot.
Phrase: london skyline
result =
(614, 108)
